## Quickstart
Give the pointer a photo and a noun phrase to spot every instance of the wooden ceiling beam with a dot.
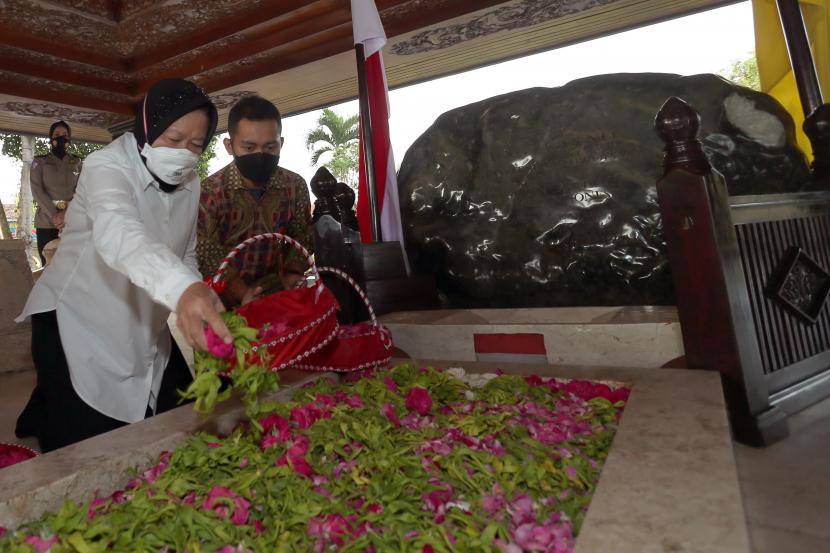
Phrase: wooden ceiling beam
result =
(35, 92)
(16, 65)
(327, 14)
(293, 32)
(25, 41)
(289, 41)
(280, 61)
(278, 15)
(330, 43)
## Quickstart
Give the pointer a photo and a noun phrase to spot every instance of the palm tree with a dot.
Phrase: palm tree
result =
(338, 136)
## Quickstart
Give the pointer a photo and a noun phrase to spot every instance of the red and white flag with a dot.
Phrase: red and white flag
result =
(368, 30)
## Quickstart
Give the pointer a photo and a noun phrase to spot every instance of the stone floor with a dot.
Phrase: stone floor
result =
(786, 487)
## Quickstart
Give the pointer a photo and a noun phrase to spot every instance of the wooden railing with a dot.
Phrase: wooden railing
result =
(751, 277)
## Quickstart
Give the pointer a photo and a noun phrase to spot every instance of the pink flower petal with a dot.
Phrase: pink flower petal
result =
(388, 411)
(41, 545)
(418, 401)
(240, 504)
(152, 474)
(216, 346)
(507, 547)
(354, 401)
(343, 466)
(301, 466)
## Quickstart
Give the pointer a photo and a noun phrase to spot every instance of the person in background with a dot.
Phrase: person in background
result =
(53, 177)
(100, 342)
(250, 196)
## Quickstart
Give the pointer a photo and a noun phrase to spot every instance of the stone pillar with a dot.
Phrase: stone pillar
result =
(5, 231)
(26, 215)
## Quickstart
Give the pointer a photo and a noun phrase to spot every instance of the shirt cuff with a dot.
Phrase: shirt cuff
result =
(174, 286)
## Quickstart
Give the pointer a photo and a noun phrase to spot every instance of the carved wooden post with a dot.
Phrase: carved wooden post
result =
(817, 128)
(699, 235)
(677, 123)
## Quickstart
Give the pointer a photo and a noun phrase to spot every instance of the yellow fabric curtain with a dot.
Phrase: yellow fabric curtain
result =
(774, 67)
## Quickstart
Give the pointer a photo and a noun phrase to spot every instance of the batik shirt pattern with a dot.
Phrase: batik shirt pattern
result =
(230, 213)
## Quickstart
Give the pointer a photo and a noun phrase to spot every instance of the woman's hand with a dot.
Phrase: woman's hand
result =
(197, 306)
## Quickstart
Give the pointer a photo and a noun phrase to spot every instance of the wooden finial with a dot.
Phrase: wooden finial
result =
(817, 128)
(677, 124)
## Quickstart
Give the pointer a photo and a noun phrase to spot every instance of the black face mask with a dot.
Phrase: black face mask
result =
(59, 149)
(257, 167)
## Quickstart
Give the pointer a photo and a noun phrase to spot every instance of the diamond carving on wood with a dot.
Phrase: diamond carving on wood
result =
(801, 286)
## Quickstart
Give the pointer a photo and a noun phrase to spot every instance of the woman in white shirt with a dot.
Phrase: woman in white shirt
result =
(101, 346)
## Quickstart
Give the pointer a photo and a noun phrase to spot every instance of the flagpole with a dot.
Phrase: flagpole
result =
(801, 58)
(368, 144)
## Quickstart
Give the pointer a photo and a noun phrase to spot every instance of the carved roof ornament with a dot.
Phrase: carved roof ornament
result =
(524, 13)
(73, 115)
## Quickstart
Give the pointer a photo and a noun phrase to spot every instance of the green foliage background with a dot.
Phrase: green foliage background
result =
(339, 137)
(744, 72)
(13, 147)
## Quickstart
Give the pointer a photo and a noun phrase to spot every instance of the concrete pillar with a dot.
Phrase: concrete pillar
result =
(26, 216)
(5, 231)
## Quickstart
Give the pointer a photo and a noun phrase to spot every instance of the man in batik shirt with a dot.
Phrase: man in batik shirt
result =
(251, 196)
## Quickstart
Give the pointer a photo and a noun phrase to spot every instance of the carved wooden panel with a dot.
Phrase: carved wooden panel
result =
(801, 285)
(775, 276)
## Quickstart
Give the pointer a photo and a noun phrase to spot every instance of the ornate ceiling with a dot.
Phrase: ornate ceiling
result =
(89, 61)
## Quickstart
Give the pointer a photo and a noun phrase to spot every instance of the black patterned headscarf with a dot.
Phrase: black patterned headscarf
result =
(167, 101)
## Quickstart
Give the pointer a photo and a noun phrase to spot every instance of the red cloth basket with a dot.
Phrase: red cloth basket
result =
(11, 454)
(293, 324)
(361, 346)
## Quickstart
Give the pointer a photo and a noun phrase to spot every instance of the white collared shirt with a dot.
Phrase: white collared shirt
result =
(127, 253)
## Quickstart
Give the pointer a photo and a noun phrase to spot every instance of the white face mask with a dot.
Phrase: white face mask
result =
(172, 165)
